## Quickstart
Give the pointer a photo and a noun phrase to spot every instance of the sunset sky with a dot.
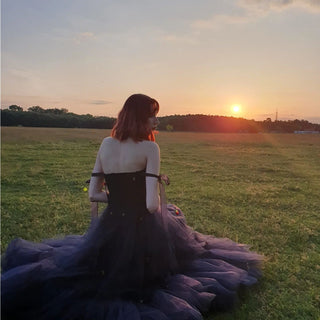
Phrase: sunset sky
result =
(193, 56)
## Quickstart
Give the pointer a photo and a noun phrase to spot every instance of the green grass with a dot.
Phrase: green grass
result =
(258, 189)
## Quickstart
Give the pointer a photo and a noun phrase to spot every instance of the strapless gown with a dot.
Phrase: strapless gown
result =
(130, 264)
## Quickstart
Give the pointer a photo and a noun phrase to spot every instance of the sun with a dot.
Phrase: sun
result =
(236, 108)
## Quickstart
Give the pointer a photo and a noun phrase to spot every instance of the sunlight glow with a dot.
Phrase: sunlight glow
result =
(236, 108)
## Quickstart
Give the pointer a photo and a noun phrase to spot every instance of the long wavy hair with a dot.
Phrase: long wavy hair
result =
(133, 118)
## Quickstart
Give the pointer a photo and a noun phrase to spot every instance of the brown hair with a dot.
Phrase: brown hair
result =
(132, 120)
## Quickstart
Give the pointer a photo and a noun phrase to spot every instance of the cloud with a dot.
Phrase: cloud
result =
(99, 102)
(252, 10)
(280, 5)
(177, 39)
(86, 35)
(83, 36)
(216, 21)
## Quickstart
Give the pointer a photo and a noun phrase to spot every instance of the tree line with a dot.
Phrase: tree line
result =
(57, 118)
(61, 118)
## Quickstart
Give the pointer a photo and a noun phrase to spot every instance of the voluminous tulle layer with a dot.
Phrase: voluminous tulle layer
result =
(126, 267)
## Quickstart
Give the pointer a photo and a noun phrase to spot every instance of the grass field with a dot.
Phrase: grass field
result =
(258, 189)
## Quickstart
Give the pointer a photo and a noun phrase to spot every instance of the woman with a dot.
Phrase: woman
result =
(139, 259)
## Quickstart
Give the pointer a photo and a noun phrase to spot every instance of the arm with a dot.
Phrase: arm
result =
(153, 166)
(96, 183)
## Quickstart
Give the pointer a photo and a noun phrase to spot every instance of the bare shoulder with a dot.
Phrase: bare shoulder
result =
(150, 146)
(109, 141)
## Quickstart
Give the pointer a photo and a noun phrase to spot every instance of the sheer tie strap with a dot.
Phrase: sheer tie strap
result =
(97, 174)
(161, 178)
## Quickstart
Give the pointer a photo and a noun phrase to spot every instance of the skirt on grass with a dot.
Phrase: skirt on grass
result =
(130, 264)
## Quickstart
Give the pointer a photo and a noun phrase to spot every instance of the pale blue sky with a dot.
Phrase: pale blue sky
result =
(192, 56)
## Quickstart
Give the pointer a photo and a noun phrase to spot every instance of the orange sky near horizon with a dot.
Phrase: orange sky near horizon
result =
(88, 57)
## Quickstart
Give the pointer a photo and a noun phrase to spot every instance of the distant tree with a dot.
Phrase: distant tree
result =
(15, 108)
(39, 117)
(36, 109)
(169, 127)
(56, 111)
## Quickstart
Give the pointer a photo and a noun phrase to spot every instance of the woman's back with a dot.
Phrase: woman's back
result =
(116, 156)
(124, 156)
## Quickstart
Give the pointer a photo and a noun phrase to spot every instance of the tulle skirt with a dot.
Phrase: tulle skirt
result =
(126, 266)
